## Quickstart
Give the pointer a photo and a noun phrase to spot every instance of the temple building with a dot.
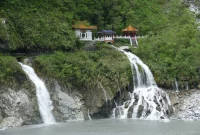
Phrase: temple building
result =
(106, 36)
(130, 31)
(83, 30)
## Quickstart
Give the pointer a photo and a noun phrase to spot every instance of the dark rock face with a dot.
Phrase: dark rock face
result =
(105, 111)
(102, 106)
(4, 48)
(140, 110)
(130, 112)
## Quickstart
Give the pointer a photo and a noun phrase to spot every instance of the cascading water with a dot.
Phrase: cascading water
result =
(89, 117)
(176, 85)
(147, 100)
(43, 98)
(187, 87)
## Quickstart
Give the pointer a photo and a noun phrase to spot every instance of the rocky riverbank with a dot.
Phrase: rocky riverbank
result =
(186, 104)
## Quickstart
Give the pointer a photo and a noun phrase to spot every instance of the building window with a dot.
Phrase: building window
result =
(83, 35)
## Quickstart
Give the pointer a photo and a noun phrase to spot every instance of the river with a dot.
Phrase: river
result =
(110, 127)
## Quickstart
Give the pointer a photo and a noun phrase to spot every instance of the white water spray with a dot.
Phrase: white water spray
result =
(89, 117)
(147, 100)
(176, 85)
(105, 93)
(187, 87)
(43, 98)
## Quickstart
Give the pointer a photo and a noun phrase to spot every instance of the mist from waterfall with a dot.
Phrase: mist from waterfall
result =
(43, 98)
(147, 101)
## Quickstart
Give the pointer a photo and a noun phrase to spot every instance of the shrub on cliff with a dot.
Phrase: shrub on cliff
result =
(87, 70)
(11, 73)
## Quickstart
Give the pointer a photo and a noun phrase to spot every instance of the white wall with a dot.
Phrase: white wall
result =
(87, 34)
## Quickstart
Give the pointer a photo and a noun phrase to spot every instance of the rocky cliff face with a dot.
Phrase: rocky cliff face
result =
(72, 104)
(18, 107)
(68, 104)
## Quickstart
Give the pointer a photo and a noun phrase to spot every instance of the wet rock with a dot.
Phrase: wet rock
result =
(148, 112)
(188, 107)
(170, 110)
(140, 110)
(158, 108)
(104, 112)
(130, 112)
(11, 122)
(162, 117)
(117, 112)
(1, 117)
(136, 97)
(173, 98)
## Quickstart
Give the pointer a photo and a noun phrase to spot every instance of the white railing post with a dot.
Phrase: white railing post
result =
(131, 41)
(136, 41)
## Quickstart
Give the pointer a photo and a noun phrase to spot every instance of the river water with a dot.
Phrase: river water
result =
(110, 127)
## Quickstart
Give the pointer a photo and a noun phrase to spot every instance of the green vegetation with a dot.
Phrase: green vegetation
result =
(145, 15)
(122, 42)
(87, 70)
(171, 46)
(174, 51)
(43, 26)
(10, 72)
(34, 25)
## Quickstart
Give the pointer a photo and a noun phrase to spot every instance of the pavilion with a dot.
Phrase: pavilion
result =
(130, 31)
(83, 30)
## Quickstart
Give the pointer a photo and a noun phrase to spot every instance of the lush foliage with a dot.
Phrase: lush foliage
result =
(117, 14)
(87, 70)
(171, 46)
(42, 26)
(10, 72)
(174, 51)
(39, 24)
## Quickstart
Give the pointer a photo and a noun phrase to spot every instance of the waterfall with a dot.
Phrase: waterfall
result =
(43, 98)
(176, 85)
(105, 93)
(89, 117)
(187, 87)
(147, 100)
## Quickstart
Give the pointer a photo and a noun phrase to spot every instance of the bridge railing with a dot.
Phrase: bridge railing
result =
(103, 38)
(125, 37)
(110, 38)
